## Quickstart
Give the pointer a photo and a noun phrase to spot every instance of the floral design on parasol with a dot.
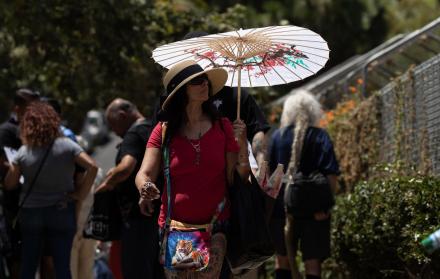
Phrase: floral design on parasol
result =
(253, 57)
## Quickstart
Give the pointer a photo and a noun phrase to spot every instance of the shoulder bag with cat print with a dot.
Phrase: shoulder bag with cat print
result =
(184, 246)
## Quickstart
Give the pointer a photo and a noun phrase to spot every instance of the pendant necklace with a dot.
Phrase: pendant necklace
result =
(196, 146)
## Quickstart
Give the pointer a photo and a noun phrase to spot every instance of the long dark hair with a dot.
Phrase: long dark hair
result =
(176, 114)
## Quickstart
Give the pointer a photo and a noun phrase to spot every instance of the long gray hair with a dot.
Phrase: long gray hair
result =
(302, 110)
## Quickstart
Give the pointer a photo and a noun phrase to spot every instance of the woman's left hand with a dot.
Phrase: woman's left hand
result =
(240, 132)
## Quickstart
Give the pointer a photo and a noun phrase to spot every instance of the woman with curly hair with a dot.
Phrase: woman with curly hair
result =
(47, 162)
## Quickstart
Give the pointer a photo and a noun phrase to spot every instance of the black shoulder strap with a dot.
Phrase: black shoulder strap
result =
(34, 179)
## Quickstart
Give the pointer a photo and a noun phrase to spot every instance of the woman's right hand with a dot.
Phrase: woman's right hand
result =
(149, 191)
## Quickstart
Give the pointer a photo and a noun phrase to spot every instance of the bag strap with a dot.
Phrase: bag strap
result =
(34, 179)
(221, 205)
(218, 211)
(166, 170)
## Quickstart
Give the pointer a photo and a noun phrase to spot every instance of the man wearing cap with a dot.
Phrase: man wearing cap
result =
(10, 140)
(139, 236)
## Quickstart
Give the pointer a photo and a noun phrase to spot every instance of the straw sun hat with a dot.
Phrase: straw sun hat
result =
(181, 73)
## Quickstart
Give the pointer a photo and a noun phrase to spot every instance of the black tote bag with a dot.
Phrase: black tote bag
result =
(308, 194)
(249, 239)
(104, 221)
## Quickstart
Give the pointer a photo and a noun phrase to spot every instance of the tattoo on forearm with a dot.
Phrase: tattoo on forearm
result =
(257, 145)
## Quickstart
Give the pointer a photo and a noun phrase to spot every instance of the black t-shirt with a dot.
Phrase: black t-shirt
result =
(226, 103)
(134, 144)
(10, 134)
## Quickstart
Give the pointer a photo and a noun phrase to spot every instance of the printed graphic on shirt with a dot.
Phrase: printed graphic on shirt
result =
(217, 103)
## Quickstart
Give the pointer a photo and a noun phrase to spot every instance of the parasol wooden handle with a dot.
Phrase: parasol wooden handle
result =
(239, 92)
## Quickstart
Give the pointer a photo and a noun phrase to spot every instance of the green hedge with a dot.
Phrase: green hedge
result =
(378, 227)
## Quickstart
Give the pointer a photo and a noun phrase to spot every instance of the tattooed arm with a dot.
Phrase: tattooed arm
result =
(259, 147)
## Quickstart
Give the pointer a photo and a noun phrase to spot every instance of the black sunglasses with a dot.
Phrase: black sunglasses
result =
(199, 80)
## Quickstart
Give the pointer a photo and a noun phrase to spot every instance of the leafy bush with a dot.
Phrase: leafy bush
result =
(378, 227)
(354, 127)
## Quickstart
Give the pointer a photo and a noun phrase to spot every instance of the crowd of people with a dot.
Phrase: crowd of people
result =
(172, 173)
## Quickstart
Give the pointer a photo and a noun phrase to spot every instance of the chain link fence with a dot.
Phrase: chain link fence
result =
(410, 109)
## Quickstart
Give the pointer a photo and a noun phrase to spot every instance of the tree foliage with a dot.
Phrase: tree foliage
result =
(350, 26)
(85, 53)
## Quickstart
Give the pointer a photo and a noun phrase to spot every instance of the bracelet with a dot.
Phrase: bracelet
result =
(148, 184)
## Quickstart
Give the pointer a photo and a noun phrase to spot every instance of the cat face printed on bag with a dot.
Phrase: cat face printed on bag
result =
(186, 255)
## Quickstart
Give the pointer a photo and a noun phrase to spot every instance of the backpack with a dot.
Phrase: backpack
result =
(308, 193)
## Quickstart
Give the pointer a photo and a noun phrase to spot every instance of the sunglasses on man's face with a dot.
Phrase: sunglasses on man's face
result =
(198, 80)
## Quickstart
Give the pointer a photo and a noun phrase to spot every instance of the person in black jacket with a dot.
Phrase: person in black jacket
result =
(9, 138)
(139, 238)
